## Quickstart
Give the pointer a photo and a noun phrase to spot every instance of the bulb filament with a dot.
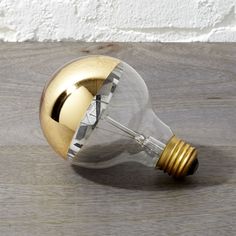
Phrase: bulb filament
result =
(150, 144)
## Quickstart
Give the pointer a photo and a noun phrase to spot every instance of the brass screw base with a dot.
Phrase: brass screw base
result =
(178, 158)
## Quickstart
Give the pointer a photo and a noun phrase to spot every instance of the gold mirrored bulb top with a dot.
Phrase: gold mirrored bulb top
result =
(67, 97)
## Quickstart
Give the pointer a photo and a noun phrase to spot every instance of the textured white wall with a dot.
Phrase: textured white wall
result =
(118, 20)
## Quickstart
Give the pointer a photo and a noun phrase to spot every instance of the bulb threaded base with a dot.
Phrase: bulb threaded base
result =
(178, 158)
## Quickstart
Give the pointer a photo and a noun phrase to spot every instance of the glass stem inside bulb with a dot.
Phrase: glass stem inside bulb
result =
(151, 145)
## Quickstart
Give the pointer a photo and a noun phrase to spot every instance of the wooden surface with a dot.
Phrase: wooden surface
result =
(192, 88)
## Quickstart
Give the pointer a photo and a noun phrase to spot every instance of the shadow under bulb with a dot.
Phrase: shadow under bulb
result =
(95, 112)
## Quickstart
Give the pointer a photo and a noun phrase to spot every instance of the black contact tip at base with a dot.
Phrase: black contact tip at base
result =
(193, 167)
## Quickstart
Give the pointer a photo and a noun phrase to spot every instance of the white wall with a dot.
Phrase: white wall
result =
(118, 20)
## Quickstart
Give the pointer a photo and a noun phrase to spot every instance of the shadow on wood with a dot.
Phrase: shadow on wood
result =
(216, 168)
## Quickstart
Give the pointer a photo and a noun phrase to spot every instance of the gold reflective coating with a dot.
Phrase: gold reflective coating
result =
(68, 95)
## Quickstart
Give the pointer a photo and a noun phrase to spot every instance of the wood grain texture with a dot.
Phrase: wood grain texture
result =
(192, 88)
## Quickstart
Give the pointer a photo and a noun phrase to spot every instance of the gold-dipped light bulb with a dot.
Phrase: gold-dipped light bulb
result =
(95, 112)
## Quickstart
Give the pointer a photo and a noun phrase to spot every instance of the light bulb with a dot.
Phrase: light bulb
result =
(95, 112)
